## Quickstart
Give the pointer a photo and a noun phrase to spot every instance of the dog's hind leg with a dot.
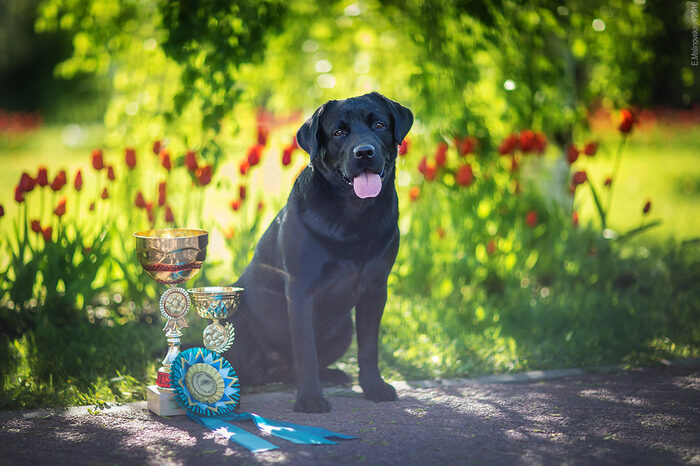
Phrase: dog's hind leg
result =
(333, 347)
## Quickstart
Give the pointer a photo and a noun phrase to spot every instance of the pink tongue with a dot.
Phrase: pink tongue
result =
(367, 184)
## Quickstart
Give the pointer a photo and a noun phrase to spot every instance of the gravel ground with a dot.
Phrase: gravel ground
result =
(640, 416)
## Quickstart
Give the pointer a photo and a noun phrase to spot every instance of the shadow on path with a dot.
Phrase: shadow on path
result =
(648, 416)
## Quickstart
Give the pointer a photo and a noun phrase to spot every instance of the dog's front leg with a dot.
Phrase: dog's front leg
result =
(309, 392)
(368, 313)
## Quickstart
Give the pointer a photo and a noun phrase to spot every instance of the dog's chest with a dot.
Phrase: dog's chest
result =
(343, 281)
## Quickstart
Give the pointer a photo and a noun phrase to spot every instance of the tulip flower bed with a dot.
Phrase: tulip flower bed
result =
(499, 269)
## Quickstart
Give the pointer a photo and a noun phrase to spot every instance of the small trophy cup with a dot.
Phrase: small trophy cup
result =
(217, 302)
(170, 256)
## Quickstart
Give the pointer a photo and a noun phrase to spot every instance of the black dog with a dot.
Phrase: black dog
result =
(330, 249)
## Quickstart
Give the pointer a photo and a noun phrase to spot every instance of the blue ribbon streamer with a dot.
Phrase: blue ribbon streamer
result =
(294, 433)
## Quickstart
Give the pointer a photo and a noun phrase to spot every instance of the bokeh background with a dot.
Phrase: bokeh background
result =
(548, 189)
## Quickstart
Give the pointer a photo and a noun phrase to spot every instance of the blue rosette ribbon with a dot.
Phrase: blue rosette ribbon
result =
(207, 387)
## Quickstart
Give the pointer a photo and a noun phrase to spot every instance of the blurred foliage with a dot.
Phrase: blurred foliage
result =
(27, 62)
(463, 66)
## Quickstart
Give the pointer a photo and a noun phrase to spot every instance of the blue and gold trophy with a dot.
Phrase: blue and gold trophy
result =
(216, 303)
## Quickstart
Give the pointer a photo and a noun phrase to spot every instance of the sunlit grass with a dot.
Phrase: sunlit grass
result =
(660, 164)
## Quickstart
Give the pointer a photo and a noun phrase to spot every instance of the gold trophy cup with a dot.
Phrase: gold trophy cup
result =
(170, 256)
(215, 303)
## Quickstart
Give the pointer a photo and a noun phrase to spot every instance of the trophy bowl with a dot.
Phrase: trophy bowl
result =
(172, 255)
(215, 303)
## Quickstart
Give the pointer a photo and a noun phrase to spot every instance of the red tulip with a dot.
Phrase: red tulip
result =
(46, 232)
(574, 218)
(59, 181)
(169, 215)
(165, 159)
(2, 211)
(295, 144)
(130, 158)
(647, 207)
(591, 148)
(19, 195)
(242, 192)
(157, 147)
(36, 226)
(580, 177)
(204, 175)
(465, 175)
(428, 169)
(78, 182)
(110, 173)
(254, 155)
(608, 181)
(42, 177)
(161, 193)
(261, 206)
(262, 135)
(441, 232)
(571, 154)
(531, 218)
(191, 161)
(26, 183)
(243, 166)
(236, 204)
(528, 141)
(139, 201)
(97, 161)
(61, 207)
(466, 145)
(441, 154)
(627, 121)
(423, 165)
(413, 193)
(403, 148)
(105, 194)
(92, 207)
(509, 144)
(287, 155)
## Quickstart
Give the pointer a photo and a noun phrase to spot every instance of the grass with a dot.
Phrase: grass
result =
(661, 164)
(582, 306)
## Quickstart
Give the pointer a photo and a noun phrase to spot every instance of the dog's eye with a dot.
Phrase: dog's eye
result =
(339, 133)
(379, 125)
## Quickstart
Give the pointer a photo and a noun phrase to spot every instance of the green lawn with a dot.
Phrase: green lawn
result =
(661, 164)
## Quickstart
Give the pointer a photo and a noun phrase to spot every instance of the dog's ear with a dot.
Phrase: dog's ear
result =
(403, 118)
(307, 136)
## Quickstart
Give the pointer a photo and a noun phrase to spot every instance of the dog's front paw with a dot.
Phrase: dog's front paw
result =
(312, 404)
(380, 391)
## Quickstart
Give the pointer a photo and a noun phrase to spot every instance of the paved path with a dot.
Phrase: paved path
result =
(641, 416)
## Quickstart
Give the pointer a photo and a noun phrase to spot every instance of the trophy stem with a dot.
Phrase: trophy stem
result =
(174, 304)
(173, 337)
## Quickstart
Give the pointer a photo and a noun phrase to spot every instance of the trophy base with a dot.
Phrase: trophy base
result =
(162, 402)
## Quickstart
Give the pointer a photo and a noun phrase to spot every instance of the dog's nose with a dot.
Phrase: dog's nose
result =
(365, 150)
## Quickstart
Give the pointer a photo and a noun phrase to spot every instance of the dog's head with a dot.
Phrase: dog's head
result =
(353, 142)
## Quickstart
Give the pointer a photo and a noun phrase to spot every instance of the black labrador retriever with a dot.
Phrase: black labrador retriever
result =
(330, 249)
